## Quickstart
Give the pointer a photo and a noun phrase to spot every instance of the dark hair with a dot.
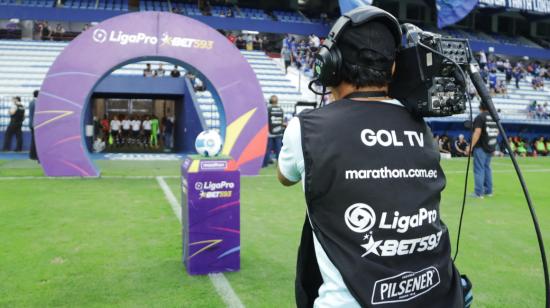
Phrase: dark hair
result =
(35, 93)
(362, 75)
(18, 98)
(368, 53)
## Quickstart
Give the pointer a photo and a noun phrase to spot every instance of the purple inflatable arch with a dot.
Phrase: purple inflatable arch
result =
(70, 81)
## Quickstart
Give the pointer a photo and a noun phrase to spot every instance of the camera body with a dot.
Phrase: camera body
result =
(428, 84)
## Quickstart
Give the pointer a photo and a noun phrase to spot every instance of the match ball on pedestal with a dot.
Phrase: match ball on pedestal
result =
(208, 143)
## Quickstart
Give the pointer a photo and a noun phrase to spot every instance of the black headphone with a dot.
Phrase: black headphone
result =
(328, 61)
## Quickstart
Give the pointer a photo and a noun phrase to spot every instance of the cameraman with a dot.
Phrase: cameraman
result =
(371, 174)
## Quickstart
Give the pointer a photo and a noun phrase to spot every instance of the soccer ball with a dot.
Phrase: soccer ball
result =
(208, 143)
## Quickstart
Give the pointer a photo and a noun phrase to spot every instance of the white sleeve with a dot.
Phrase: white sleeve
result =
(291, 158)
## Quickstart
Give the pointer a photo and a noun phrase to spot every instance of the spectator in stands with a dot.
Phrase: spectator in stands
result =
(545, 111)
(537, 83)
(58, 33)
(148, 72)
(45, 31)
(540, 111)
(493, 81)
(461, 146)
(259, 43)
(532, 109)
(508, 73)
(501, 88)
(491, 65)
(540, 146)
(17, 116)
(484, 73)
(240, 43)
(501, 65)
(249, 42)
(517, 74)
(32, 152)
(287, 57)
(543, 72)
(231, 37)
(482, 59)
(175, 72)
(159, 72)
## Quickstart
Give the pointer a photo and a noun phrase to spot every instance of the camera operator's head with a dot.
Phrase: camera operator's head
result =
(368, 57)
(359, 52)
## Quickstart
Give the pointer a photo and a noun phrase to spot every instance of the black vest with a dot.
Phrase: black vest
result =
(18, 117)
(372, 185)
(276, 119)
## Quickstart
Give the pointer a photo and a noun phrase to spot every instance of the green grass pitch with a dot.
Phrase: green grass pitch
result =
(116, 242)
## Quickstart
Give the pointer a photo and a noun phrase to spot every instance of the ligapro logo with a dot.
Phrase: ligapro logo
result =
(118, 36)
(101, 36)
(360, 217)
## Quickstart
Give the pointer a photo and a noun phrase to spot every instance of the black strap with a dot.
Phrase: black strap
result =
(366, 94)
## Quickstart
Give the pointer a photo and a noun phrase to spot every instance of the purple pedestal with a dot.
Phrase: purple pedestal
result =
(210, 216)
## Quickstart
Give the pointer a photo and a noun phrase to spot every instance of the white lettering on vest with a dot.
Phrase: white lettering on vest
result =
(388, 138)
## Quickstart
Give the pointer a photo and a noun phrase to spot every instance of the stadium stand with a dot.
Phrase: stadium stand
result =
(35, 3)
(25, 63)
(149, 5)
(252, 14)
(293, 16)
(119, 5)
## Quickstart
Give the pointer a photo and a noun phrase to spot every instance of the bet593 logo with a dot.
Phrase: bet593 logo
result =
(214, 190)
(361, 218)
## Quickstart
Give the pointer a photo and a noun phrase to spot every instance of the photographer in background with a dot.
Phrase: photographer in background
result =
(17, 116)
(370, 172)
(276, 123)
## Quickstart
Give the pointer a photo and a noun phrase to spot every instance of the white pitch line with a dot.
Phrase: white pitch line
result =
(225, 290)
(221, 284)
(170, 197)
